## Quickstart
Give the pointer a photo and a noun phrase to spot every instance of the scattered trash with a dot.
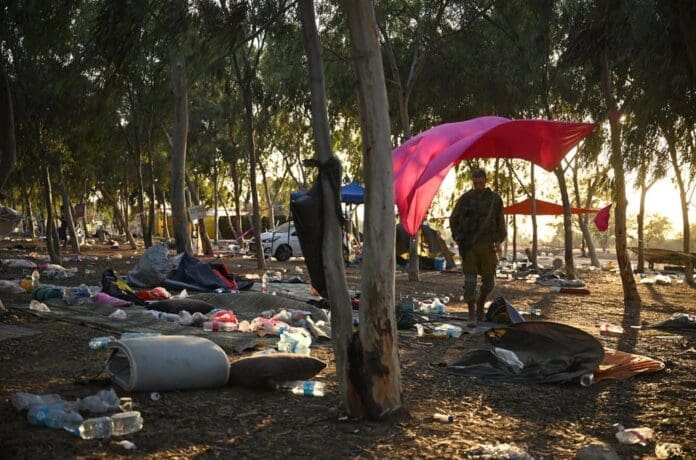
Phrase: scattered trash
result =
(23, 401)
(587, 379)
(10, 287)
(77, 295)
(668, 450)
(99, 343)
(508, 357)
(610, 329)
(296, 340)
(119, 314)
(39, 306)
(56, 415)
(633, 435)
(448, 330)
(103, 401)
(303, 387)
(116, 425)
(443, 418)
(154, 396)
(126, 444)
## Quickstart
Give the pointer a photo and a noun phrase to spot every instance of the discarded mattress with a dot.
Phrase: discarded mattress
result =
(618, 365)
(164, 363)
(533, 351)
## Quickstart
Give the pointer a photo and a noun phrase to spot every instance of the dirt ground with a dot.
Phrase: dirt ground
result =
(548, 421)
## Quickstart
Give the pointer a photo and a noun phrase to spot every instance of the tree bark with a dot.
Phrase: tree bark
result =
(245, 82)
(583, 220)
(535, 235)
(339, 298)
(641, 228)
(567, 223)
(179, 140)
(202, 231)
(52, 241)
(632, 299)
(120, 220)
(8, 146)
(374, 360)
(686, 230)
(67, 210)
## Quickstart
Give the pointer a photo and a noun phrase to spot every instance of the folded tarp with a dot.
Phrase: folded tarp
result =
(534, 352)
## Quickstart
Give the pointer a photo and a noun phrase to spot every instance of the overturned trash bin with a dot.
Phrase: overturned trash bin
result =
(163, 363)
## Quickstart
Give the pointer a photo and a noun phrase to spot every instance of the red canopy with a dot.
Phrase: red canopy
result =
(543, 208)
(421, 163)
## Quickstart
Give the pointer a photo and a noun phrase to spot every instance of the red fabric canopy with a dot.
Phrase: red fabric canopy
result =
(421, 163)
(543, 208)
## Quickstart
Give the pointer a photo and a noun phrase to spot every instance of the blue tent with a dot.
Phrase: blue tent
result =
(350, 193)
(353, 193)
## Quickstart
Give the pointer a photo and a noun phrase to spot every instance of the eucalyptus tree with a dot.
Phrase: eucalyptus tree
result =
(8, 147)
(599, 41)
(374, 360)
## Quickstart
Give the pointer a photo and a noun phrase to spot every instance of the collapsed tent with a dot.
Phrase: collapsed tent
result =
(421, 163)
(543, 208)
(535, 352)
(431, 246)
(193, 275)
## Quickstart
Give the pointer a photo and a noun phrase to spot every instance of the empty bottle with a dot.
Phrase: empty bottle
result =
(303, 387)
(264, 283)
(98, 343)
(587, 379)
(293, 341)
(116, 425)
(54, 416)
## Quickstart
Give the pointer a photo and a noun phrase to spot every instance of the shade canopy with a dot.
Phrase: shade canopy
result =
(353, 193)
(421, 163)
(543, 208)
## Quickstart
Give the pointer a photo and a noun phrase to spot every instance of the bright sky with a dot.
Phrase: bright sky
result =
(662, 199)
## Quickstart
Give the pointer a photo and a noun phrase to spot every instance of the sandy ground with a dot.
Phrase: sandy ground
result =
(546, 421)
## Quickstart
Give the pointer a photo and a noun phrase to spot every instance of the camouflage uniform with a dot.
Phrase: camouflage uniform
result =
(477, 223)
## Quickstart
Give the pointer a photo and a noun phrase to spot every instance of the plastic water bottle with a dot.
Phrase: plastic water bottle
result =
(587, 379)
(448, 330)
(135, 335)
(264, 283)
(54, 416)
(303, 387)
(116, 425)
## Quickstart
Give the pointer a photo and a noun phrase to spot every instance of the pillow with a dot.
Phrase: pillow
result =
(179, 304)
(265, 371)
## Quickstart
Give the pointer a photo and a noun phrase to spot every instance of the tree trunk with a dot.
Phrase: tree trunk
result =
(532, 197)
(245, 82)
(267, 195)
(413, 259)
(120, 220)
(52, 241)
(567, 224)
(67, 210)
(584, 224)
(339, 298)
(179, 140)
(152, 193)
(374, 360)
(28, 214)
(686, 230)
(641, 228)
(165, 219)
(202, 231)
(632, 299)
(8, 146)
(216, 203)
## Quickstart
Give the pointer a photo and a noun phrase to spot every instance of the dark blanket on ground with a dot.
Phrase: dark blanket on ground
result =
(193, 275)
(678, 322)
(549, 353)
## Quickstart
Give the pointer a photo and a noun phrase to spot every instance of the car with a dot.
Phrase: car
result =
(281, 242)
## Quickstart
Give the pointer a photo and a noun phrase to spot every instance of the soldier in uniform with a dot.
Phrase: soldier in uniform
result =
(478, 227)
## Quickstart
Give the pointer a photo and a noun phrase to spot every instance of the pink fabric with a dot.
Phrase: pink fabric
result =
(421, 163)
(601, 220)
(103, 297)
